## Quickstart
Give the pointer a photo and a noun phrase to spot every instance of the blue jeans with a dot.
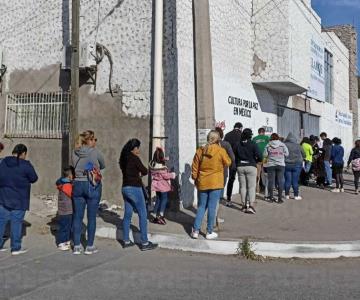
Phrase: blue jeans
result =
(307, 167)
(160, 204)
(207, 200)
(85, 194)
(292, 175)
(64, 231)
(328, 171)
(134, 199)
(16, 218)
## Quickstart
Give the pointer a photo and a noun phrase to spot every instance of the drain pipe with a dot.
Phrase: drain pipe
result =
(158, 74)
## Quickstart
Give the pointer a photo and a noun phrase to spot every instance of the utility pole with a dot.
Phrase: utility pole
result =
(74, 101)
(158, 73)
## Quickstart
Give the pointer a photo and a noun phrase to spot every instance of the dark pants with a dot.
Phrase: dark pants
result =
(85, 195)
(160, 204)
(64, 231)
(230, 184)
(16, 218)
(356, 179)
(338, 173)
(276, 173)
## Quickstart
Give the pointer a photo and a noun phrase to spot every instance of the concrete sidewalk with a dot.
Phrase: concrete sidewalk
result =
(323, 224)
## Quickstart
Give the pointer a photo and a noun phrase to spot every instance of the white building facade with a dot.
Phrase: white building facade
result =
(272, 66)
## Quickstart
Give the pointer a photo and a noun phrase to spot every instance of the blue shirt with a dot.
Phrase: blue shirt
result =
(337, 155)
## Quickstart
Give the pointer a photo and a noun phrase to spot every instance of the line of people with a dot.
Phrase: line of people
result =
(264, 162)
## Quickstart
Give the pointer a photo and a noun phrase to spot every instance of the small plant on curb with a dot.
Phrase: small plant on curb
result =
(245, 250)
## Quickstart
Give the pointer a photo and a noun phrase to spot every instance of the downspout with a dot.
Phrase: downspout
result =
(158, 74)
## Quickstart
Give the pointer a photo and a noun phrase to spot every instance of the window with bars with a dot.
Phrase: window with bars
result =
(328, 65)
(37, 115)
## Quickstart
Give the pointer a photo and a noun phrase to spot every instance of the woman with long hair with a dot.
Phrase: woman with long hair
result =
(16, 176)
(208, 173)
(88, 162)
(132, 190)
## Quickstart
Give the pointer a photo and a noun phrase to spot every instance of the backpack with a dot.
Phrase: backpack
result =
(93, 174)
(355, 164)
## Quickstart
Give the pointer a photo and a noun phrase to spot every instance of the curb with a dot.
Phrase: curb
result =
(309, 250)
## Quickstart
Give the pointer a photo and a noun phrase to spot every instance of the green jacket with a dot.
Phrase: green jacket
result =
(308, 151)
(261, 141)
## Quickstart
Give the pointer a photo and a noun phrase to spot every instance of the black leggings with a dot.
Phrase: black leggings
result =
(356, 179)
(338, 174)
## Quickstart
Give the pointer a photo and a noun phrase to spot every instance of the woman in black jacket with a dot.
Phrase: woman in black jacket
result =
(354, 160)
(133, 194)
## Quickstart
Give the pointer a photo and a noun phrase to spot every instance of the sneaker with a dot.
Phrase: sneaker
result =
(19, 252)
(195, 234)
(335, 190)
(229, 203)
(280, 201)
(342, 190)
(127, 244)
(162, 220)
(356, 192)
(77, 250)
(211, 236)
(91, 250)
(287, 197)
(3, 249)
(298, 198)
(64, 247)
(148, 246)
(251, 210)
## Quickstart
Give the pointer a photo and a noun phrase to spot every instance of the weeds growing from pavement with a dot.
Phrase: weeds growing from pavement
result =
(245, 250)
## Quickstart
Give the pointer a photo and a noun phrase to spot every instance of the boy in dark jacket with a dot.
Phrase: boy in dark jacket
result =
(65, 208)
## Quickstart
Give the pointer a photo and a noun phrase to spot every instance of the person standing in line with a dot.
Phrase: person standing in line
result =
(88, 162)
(160, 184)
(308, 150)
(226, 145)
(16, 176)
(293, 166)
(247, 157)
(323, 137)
(275, 152)
(354, 161)
(65, 209)
(337, 159)
(327, 148)
(208, 173)
(261, 140)
(233, 138)
(132, 190)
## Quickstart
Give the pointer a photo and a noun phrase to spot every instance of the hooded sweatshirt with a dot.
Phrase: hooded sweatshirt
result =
(16, 177)
(296, 152)
(208, 167)
(247, 154)
(82, 157)
(160, 178)
(337, 155)
(275, 152)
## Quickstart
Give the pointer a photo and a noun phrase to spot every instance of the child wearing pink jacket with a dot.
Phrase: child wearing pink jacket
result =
(160, 183)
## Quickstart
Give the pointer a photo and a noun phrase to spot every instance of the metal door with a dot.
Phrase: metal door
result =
(289, 120)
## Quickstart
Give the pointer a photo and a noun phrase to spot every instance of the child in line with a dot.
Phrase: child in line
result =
(160, 183)
(65, 208)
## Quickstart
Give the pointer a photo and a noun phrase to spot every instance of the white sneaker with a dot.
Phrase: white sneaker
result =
(211, 236)
(342, 190)
(298, 198)
(287, 197)
(335, 190)
(77, 250)
(19, 252)
(64, 247)
(195, 235)
(3, 249)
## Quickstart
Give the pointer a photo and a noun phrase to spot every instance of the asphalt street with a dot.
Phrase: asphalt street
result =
(114, 273)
